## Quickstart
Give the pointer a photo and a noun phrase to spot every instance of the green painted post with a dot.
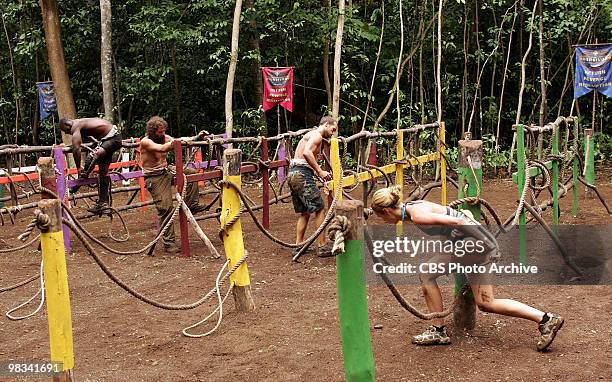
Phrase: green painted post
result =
(589, 149)
(465, 313)
(353, 299)
(555, 177)
(520, 161)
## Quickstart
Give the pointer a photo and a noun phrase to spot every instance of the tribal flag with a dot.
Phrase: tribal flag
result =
(593, 70)
(46, 99)
(278, 87)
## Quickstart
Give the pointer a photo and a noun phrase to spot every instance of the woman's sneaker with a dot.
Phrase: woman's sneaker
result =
(432, 336)
(548, 331)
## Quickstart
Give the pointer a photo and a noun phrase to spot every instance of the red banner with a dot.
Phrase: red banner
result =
(278, 88)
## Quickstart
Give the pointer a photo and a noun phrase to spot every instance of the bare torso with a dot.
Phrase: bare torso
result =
(91, 127)
(152, 160)
(309, 140)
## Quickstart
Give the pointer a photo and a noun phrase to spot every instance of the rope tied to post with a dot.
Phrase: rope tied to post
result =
(338, 229)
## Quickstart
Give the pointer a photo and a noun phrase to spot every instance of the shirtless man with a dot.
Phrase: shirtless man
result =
(159, 175)
(107, 139)
(305, 195)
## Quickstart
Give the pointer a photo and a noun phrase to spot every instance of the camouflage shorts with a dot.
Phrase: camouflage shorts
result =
(305, 195)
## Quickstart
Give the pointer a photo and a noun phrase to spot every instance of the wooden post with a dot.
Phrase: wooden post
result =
(353, 298)
(233, 240)
(180, 184)
(282, 154)
(141, 181)
(11, 186)
(265, 183)
(47, 177)
(336, 166)
(575, 171)
(399, 174)
(198, 159)
(589, 161)
(370, 160)
(56, 290)
(555, 177)
(522, 179)
(60, 163)
(470, 151)
(442, 149)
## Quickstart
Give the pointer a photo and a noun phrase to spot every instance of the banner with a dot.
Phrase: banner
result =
(278, 87)
(593, 70)
(46, 99)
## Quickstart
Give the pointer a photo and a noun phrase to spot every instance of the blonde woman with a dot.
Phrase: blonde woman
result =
(387, 204)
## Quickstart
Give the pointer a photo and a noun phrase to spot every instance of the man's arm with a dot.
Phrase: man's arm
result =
(149, 145)
(76, 148)
(309, 154)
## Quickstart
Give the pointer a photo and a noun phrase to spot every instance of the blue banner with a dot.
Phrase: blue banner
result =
(593, 70)
(46, 99)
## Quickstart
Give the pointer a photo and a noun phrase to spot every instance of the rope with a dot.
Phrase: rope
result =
(19, 284)
(15, 249)
(338, 229)
(398, 296)
(40, 291)
(197, 228)
(135, 293)
(78, 224)
(246, 207)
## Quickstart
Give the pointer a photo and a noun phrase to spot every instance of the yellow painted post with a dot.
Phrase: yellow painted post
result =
(443, 160)
(56, 291)
(334, 153)
(232, 239)
(399, 171)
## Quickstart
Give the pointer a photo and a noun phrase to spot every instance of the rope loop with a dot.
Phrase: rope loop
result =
(43, 221)
(338, 229)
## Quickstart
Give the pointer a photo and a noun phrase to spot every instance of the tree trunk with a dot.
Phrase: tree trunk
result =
(177, 89)
(542, 80)
(466, 41)
(57, 64)
(229, 86)
(119, 120)
(254, 46)
(328, 90)
(106, 58)
(337, 57)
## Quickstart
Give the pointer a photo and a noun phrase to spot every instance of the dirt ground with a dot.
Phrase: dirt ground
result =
(293, 335)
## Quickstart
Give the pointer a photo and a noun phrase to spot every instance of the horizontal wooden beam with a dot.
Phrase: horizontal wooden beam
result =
(364, 176)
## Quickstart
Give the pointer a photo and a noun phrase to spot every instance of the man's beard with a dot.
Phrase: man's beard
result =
(159, 139)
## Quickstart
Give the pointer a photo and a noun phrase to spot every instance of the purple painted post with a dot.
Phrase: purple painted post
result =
(281, 156)
(60, 164)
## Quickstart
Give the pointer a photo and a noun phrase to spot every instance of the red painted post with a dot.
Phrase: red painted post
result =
(372, 154)
(141, 181)
(180, 183)
(265, 183)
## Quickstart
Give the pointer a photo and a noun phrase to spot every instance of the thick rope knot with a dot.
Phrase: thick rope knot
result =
(43, 221)
(367, 212)
(338, 229)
